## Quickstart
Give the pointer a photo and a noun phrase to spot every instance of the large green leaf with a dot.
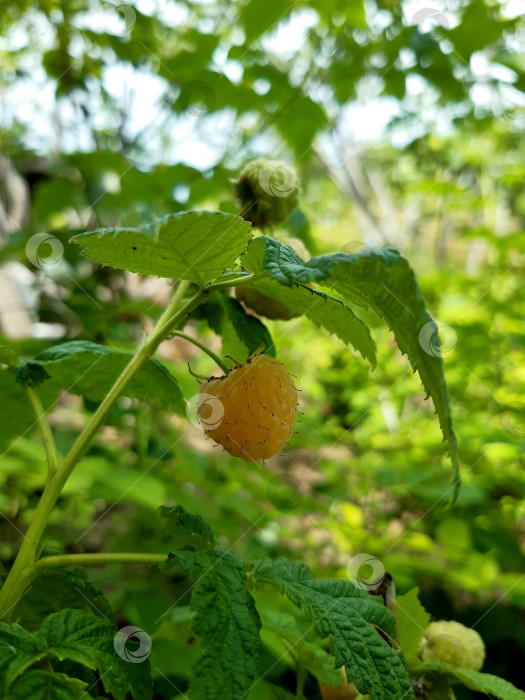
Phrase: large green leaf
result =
(18, 650)
(350, 617)
(89, 369)
(73, 635)
(47, 685)
(281, 632)
(76, 592)
(185, 529)
(225, 621)
(484, 683)
(192, 245)
(383, 280)
(323, 310)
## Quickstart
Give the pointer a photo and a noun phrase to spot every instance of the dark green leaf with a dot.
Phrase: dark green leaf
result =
(88, 369)
(186, 529)
(350, 617)
(323, 310)
(88, 640)
(242, 334)
(45, 685)
(18, 650)
(76, 592)
(227, 624)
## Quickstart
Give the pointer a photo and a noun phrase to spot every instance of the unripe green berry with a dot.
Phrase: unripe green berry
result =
(452, 643)
(268, 192)
(263, 305)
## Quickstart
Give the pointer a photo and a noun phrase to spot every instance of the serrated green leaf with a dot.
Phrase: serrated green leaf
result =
(242, 334)
(192, 245)
(227, 623)
(324, 311)
(412, 621)
(78, 636)
(44, 685)
(86, 639)
(89, 369)
(383, 280)
(76, 592)
(18, 650)
(484, 683)
(350, 617)
(186, 529)
(281, 632)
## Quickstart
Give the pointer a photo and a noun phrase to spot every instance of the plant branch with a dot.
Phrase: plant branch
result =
(97, 559)
(45, 431)
(23, 566)
(219, 361)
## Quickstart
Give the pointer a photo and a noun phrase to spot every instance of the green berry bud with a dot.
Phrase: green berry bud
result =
(268, 192)
(453, 643)
(263, 305)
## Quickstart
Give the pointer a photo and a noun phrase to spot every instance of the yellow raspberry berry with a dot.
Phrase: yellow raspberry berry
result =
(452, 643)
(250, 411)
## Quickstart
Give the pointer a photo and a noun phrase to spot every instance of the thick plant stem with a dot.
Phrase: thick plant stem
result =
(45, 431)
(219, 361)
(96, 559)
(22, 569)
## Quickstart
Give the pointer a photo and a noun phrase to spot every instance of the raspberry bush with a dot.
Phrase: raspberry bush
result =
(224, 603)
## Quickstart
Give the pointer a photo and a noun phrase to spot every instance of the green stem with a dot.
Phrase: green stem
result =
(220, 362)
(97, 559)
(45, 431)
(22, 568)
(301, 677)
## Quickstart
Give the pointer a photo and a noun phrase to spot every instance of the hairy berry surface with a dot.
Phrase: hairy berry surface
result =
(452, 643)
(250, 411)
